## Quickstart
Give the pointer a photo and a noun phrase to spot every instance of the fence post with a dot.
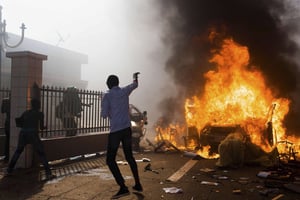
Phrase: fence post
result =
(26, 79)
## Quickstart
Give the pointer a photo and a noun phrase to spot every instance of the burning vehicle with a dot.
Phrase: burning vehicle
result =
(229, 74)
(213, 135)
(138, 121)
(235, 109)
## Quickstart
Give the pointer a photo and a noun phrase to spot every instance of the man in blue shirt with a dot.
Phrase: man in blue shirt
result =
(115, 106)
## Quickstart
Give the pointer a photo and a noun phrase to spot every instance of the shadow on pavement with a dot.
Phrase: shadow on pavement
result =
(24, 183)
(21, 184)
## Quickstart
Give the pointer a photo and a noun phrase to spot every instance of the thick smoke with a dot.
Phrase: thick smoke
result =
(261, 25)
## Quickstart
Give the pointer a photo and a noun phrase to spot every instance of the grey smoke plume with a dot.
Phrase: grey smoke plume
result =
(266, 27)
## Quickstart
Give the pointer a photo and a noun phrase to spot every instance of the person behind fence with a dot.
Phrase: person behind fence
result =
(30, 122)
(69, 110)
(115, 106)
(5, 108)
(72, 108)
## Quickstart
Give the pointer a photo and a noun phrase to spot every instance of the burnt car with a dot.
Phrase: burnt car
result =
(213, 135)
(138, 121)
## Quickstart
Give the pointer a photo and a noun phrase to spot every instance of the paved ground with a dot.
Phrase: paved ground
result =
(90, 179)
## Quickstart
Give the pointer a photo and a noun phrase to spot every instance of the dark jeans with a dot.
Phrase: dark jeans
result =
(7, 137)
(114, 140)
(30, 136)
(70, 125)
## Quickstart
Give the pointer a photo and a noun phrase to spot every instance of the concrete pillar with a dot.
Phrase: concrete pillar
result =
(26, 76)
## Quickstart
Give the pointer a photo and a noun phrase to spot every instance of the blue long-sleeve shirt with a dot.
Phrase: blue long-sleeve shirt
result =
(115, 106)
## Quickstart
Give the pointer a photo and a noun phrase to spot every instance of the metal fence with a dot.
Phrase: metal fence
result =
(68, 111)
(71, 111)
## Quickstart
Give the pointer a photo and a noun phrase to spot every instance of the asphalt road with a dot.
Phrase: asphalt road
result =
(89, 179)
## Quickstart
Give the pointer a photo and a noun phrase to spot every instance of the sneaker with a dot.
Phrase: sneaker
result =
(138, 187)
(122, 192)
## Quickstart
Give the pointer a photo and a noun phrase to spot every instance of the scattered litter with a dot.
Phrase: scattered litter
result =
(278, 197)
(263, 174)
(143, 160)
(173, 190)
(209, 183)
(148, 168)
(237, 191)
(278, 174)
(222, 177)
(243, 180)
(207, 170)
(122, 162)
(259, 187)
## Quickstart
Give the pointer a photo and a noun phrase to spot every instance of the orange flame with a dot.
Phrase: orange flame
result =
(173, 133)
(236, 93)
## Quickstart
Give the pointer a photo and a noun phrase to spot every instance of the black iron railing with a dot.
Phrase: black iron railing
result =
(71, 111)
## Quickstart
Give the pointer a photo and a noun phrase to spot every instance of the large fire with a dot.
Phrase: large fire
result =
(236, 94)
